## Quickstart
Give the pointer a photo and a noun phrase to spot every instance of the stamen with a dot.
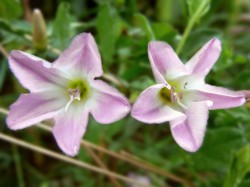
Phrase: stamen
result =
(181, 104)
(185, 85)
(74, 94)
(173, 95)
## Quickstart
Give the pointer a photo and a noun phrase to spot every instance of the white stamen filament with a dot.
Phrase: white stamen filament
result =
(74, 95)
(180, 103)
(175, 97)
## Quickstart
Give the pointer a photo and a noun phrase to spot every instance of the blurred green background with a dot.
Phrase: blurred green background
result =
(122, 29)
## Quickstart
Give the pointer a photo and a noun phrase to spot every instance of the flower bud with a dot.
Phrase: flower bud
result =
(39, 31)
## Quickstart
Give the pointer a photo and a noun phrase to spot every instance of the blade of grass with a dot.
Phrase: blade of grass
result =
(19, 170)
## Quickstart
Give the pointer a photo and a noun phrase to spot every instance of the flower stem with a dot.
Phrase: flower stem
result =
(190, 25)
(67, 159)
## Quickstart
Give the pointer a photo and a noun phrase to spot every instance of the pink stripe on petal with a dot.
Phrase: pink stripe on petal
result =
(110, 105)
(34, 73)
(149, 109)
(32, 108)
(189, 133)
(164, 62)
(221, 97)
(202, 62)
(69, 129)
(81, 56)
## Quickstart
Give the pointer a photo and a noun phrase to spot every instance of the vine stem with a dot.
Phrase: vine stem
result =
(190, 25)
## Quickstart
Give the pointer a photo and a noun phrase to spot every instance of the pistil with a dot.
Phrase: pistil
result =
(78, 90)
(74, 94)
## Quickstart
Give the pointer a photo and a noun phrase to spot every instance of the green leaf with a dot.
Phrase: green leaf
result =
(3, 70)
(107, 22)
(142, 21)
(218, 145)
(164, 31)
(10, 9)
(240, 166)
(61, 27)
(198, 8)
(15, 28)
(165, 11)
(245, 183)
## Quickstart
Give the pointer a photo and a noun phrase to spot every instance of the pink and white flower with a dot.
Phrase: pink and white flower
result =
(181, 95)
(66, 90)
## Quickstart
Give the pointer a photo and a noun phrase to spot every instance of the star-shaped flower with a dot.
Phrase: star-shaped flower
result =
(181, 95)
(66, 90)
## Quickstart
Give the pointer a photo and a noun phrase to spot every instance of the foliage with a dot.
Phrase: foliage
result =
(123, 29)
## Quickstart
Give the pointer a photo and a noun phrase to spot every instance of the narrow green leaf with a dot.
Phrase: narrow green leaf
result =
(106, 25)
(61, 27)
(145, 26)
(165, 11)
(6, 26)
(164, 31)
(195, 5)
(10, 9)
(240, 166)
(3, 70)
(197, 9)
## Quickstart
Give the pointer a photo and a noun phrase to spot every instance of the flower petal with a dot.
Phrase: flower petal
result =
(32, 108)
(81, 56)
(189, 133)
(69, 129)
(109, 105)
(34, 73)
(149, 109)
(164, 62)
(202, 62)
(221, 97)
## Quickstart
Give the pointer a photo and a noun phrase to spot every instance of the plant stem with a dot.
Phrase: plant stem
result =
(190, 25)
(135, 162)
(3, 51)
(102, 165)
(130, 159)
(124, 156)
(67, 159)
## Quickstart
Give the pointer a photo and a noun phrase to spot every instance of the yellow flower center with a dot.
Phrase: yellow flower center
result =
(172, 94)
(78, 90)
